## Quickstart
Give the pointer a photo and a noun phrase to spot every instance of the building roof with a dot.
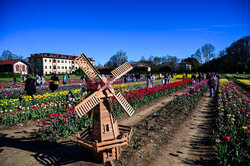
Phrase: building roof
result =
(54, 55)
(139, 64)
(9, 62)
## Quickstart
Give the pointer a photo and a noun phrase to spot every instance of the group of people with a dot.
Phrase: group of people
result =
(200, 77)
(150, 80)
(31, 84)
(131, 77)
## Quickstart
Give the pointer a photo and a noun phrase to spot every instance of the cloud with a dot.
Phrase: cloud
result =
(193, 29)
(227, 25)
(216, 28)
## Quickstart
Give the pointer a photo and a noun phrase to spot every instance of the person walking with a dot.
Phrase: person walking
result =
(64, 79)
(30, 86)
(38, 80)
(148, 81)
(54, 83)
(42, 80)
(152, 80)
(214, 79)
(210, 84)
(166, 78)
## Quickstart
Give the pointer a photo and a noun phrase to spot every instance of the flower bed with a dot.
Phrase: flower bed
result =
(16, 93)
(16, 111)
(244, 83)
(188, 100)
(63, 125)
(231, 139)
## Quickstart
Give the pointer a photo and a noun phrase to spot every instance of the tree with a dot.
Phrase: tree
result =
(193, 62)
(222, 53)
(208, 51)
(157, 60)
(8, 55)
(240, 50)
(117, 60)
(197, 55)
(236, 58)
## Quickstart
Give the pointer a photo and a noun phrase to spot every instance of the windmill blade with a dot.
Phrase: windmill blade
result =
(88, 68)
(87, 104)
(125, 105)
(121, 70)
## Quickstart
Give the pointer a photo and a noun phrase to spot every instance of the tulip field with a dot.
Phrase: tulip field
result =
(232, 137)
(54, 118)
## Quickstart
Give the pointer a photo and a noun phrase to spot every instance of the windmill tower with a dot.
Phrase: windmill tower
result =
(106, 136)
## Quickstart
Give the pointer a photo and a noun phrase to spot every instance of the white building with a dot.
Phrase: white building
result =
(185, 66)
(48, 63)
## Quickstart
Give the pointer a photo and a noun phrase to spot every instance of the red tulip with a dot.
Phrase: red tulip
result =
(226, 138)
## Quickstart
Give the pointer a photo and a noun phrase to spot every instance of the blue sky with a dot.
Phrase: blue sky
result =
(101, 28)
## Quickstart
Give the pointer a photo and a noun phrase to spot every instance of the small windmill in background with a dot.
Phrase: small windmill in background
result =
(106, 136)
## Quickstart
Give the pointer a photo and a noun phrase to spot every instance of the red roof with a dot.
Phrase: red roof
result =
(9, 62)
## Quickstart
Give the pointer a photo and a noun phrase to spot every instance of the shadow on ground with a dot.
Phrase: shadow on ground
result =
(200, 145)
(46, 153)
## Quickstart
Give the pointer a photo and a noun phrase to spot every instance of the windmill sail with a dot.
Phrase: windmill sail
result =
(87, 104)
(87, 66)
(125, 105)
(121, 70)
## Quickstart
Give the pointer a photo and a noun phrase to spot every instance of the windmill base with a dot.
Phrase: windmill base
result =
(105, 151)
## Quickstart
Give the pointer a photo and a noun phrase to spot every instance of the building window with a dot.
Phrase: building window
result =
(17, 67)
(62, 61)
(69, 67)
(59, 72)
(23, 67)
(45, 67)
(69, 61)
(54, 67)
(54, 61)
(46, 72)
(58, 61)
(45, 60)
(50, 60)
(49, 67)
(65, 61)
(72, 62)
(65, 67)
(58, 67)
(62, 67)
(106, 128)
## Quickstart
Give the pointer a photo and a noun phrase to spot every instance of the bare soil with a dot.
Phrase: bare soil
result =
(18, 145)
(175, 137)
(162, 137)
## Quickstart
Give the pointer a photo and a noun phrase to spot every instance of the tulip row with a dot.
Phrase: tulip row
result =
(189, 99)
(28, 109)
(62, 125)
(244, 83)
(231, 139)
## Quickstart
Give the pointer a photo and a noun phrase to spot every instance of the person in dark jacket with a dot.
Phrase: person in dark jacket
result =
(54, 83)
(30, 86)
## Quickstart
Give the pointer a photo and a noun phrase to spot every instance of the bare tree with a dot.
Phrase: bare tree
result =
(208, 51)
(197, 55)
(117, 60)
(8, 55)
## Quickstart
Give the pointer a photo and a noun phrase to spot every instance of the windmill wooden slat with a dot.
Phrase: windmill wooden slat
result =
(104, 125)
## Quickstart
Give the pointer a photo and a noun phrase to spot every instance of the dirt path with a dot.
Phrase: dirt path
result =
(147, 109)
(19, 147)
(190, 145)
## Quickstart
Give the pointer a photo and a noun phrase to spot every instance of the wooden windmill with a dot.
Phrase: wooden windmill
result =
(106, 136)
